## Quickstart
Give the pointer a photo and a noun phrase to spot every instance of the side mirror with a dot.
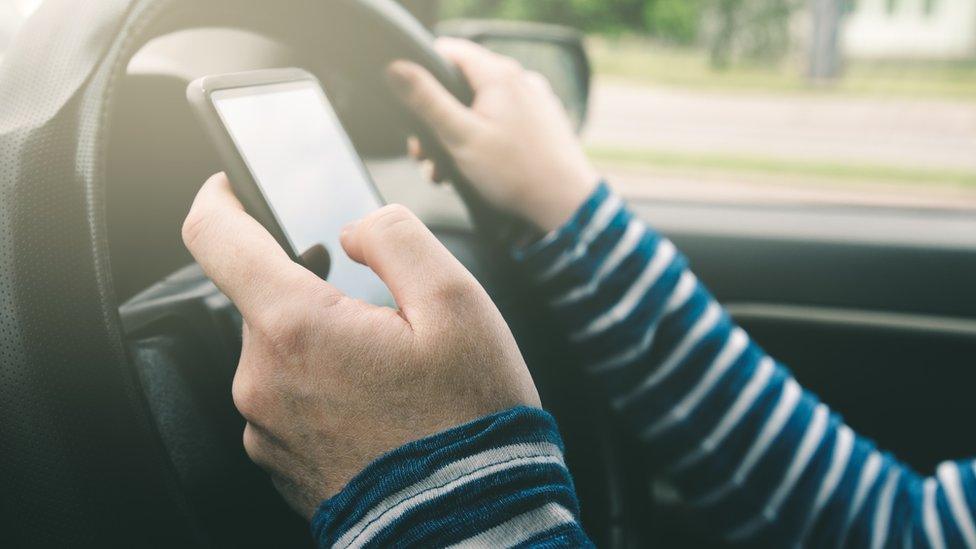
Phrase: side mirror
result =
(558, 53)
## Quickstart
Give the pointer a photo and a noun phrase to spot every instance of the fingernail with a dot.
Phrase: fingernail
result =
(348, 228)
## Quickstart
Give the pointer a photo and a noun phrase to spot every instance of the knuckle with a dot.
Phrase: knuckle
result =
(198, 220)
(195, 224)
(284, 331)
(284, 327)
(538, 80)
(394, 212)
(511, 68)
(392, 220)
(247, 395)
(253, 444)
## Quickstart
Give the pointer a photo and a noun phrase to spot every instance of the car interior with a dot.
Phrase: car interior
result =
(874, 309)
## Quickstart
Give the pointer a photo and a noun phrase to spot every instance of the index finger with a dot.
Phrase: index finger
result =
(238, 254)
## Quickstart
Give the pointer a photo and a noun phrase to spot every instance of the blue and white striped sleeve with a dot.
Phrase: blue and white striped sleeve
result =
(753, 456)
(499, 481)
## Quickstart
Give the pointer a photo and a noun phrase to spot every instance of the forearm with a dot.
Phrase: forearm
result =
(498, 481)
(751, 454)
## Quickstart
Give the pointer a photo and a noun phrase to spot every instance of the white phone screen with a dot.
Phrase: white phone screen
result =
(308, 171)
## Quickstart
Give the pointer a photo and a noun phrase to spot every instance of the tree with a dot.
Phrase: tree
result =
(677, 21)
(825, 60)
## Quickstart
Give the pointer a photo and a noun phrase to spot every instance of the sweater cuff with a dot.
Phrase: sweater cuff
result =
(571, 263)
(535, 252)
(455, 486)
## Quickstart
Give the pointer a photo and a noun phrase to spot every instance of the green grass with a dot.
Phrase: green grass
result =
(642, 60)
(822, 171)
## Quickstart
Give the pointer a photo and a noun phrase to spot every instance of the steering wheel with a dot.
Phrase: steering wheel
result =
(120, 427)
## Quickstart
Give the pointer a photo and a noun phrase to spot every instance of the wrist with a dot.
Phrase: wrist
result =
(536, 254)
(561, 200)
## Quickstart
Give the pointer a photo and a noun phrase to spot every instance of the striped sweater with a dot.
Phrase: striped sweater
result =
(753, 457)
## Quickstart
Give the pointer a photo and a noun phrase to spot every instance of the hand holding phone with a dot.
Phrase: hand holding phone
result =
(293, 167)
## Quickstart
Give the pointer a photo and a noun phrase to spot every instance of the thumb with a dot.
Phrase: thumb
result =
(414, 265)
(431, 101)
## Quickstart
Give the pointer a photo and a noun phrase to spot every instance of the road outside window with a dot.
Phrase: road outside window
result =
(787, 101)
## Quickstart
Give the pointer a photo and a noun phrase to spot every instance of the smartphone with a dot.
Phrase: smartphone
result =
(293, 166)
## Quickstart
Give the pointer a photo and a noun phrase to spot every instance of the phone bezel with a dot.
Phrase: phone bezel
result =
(200, 95)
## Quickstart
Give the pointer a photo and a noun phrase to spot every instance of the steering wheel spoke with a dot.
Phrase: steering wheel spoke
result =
(189, 297)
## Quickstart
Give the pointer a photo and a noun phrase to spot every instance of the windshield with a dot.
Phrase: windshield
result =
(841, 102)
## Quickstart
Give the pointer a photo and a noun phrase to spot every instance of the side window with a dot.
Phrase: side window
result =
(837, 102)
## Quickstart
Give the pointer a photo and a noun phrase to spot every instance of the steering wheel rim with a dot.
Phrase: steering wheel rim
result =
(73, 402)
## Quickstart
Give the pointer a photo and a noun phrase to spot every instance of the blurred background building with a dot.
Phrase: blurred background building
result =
(911, 29)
